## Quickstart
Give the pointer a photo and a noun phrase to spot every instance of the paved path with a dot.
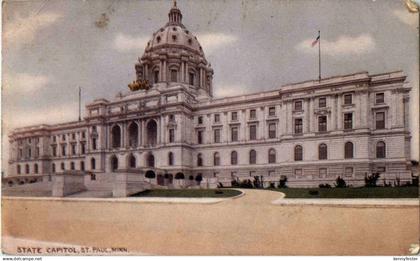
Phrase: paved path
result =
(246, 225)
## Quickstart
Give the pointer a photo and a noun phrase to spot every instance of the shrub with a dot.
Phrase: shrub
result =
(371, 180)
(257, 182)
(198, 178)
(235, 183)
(191, 177)
(150, 175)
(340, 183)
(283, 182)
(179, 175)
(326, 185)
(246, 184)
(272, 185)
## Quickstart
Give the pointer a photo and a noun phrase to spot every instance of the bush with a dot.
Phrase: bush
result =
(272, 185)
(150, 175)
(179, 175)
(198, 178)
(235, 183)
(246, 184)
(340, 183)
(371, 180)
(283, 182)
(191, 177)
(326, 185)
(257, 182)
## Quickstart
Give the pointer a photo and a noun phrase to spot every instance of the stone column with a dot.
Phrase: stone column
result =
(312, 118)
(306, 116)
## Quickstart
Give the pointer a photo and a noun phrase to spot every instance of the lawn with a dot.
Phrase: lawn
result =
(189, 193)
(376, 192)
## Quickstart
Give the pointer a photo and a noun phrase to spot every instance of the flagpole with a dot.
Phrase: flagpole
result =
(80, 108)
(319, 56)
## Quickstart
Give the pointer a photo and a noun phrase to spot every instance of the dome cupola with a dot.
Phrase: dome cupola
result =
(174, 56)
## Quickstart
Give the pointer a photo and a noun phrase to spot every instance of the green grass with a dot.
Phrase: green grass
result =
(189, 193)
(376, 192)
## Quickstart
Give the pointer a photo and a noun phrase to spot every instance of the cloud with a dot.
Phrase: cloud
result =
(213, 41)
(24, 82)
(128, 43)
(44, 115)
(22, 30)
(343, 46)
(406, 17)
(226, 90)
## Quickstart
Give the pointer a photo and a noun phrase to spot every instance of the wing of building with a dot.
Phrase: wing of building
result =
(168, 123)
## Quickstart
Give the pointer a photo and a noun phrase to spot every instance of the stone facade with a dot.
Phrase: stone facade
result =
(312, 132)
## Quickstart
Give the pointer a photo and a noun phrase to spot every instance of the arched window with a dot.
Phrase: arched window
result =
(131, 161)
(322, 151)
(133, 135)
(348, 150)
(271, 155)
(233, 158)
(151, 160)
(116, 136)
(199, 160)
(82, 165)
(18, 169)
(151, 133)
(216, 159)
(252, 157)
(27, 169)
(298, 153)
(53, 168)
(170, 159)
(36, 168)
(380, 150)
(114, 163)
(92, 163)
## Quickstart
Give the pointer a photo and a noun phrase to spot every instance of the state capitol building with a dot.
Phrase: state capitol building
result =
(169, 123)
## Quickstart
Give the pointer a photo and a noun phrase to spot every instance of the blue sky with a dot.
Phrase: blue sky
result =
(52, 47)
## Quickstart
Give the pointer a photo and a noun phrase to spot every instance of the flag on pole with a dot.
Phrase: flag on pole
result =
(316, 41)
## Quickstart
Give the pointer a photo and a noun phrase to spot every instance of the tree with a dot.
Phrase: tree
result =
(283, 182)
(371, 180)
(340, 182)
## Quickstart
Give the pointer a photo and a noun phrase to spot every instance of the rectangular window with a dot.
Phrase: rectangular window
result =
(73, 149)
(20, 154)
(94, 144)
(83, 148)
(63, 137)
(156, 76)
(272, 131)
(322, 123)
(83, 135)
(200, 137)
(73, 136)
(174, 76)
(29, 153)
(234, 116)
(171, 135)
(298, 172)
(63, 150)
(191, 75)
(379, 98)
(298, 126)
(36, 152)
(217, 118)
(322, 102)
(298, 105)
(200, 119)
(348, 172)
(348, 99)
(217, 136)
(252, 114)
(380, 120)
(272, 111)
(253, 132)
(234, 133)
(322, 172)
(54, 151)
(348, 121)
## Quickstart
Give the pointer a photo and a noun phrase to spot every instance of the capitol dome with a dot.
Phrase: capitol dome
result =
(174, 55)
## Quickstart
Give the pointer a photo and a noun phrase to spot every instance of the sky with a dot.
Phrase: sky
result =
(50, 48)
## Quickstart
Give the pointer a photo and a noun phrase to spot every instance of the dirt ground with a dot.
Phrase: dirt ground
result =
(249, 225)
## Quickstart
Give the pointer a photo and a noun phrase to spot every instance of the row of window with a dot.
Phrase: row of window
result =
(71, 135)
(298, 154)
(347, 99)
(27, 153)
(73, 149)
(28, 141)
(234, 115)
